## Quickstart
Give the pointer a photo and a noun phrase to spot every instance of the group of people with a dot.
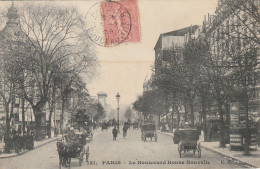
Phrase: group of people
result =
(71, 135)
(17, 141)
(115, 132)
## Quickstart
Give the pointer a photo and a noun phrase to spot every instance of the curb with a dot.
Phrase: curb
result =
(217, 152)
(21, 153)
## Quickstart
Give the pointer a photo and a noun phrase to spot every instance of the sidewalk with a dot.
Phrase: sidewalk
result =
(37, 144)
(251, 161)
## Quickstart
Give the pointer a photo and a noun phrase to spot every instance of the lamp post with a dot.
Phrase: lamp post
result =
(118, 99)
(171, 111)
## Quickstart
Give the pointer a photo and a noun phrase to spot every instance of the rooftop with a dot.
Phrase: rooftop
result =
(179, 32)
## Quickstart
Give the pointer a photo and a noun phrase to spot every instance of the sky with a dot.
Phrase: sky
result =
(123, 68)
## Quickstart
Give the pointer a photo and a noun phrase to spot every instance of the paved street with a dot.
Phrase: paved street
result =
(104, 151)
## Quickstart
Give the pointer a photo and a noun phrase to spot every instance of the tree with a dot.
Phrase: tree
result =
(56, 43)
(243, 35)
(9, 90)
(144, 104)
(151, 102)
(195, 56)
(175, 78)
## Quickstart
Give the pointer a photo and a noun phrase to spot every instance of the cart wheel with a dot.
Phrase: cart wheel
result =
(87, 154)
(199, 150)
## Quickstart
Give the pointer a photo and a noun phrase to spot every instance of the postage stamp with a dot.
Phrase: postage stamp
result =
(113, 22)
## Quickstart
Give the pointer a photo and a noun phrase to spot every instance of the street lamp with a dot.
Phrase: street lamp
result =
(171, 111)
(118, 99)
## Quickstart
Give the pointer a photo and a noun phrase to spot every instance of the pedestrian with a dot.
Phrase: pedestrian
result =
(114, 132)
(125, 131)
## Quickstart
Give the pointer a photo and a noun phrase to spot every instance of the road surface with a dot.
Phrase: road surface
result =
(129, 152)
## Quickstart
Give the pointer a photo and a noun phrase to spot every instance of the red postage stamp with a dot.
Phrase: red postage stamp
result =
(132, 7)
(113, 22)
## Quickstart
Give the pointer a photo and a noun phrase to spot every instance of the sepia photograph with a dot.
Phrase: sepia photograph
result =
(129, 84)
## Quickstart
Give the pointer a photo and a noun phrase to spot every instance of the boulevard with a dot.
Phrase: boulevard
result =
(129, 152)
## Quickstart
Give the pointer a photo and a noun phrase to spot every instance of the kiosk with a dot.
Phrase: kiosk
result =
(238, 128)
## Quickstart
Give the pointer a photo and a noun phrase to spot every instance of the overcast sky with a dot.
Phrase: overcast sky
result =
(123, 68)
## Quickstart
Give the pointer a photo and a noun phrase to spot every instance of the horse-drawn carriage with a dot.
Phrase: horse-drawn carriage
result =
(74, 147)
(187, 140)
(104, 126)
(148, 130)
(73, 143)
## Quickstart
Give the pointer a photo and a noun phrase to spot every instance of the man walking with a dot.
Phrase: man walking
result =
(125, 131)
(114, 132)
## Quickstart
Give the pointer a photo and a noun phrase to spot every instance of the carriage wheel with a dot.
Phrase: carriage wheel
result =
(87, 154)
(199, 150)
(155, 136)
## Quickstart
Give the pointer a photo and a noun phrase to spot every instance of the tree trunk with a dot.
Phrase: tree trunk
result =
(227, 113)
(38, 133)
(192, 113)
(49, 125)
(23, 123)
(62, 114)
(221, 142)
(248, 133)
(178, 120)
(204, 117)
(185, 109)
(172, 122)
(51, 107)
(23, 116)
(7, 138)
(8, 116)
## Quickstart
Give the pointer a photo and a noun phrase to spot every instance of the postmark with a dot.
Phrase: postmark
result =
(108, 23)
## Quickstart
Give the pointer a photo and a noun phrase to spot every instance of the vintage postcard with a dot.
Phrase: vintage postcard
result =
(129, 84)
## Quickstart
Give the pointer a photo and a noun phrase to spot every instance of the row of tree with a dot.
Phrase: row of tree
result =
(220, 66)
(46, 60)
